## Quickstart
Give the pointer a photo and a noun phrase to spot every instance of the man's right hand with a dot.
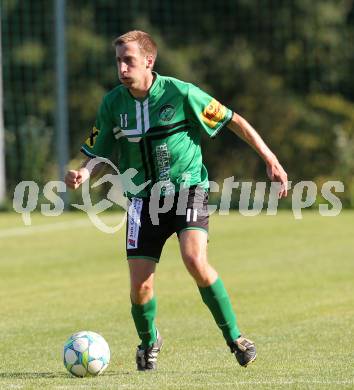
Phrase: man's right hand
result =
(73, 179)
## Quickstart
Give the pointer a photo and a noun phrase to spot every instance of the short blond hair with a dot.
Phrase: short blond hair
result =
(146, 44)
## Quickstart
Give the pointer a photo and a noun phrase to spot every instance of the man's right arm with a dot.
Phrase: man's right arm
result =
(74, 178)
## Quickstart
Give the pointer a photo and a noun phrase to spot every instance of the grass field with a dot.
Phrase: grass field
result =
(291, 282)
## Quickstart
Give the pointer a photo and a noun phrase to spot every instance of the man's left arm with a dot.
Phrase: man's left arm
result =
(245, 131)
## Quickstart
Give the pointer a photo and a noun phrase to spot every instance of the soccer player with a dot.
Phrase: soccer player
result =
(153, 124)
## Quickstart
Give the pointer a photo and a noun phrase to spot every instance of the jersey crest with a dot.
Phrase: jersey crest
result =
(167, 112)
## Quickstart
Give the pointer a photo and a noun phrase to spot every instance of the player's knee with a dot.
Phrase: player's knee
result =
(194, 262)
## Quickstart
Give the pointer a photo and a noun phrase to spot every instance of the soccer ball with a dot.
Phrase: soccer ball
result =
(86, 354)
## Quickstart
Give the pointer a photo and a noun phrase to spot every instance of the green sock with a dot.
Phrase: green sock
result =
(144, 319)
(216, 298)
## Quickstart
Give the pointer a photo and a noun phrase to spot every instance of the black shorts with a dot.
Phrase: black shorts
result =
(148, 226)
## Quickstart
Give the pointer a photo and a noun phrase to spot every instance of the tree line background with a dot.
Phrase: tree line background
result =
(285, 65)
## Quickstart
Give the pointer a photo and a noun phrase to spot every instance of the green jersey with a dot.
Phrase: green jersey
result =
(158, 135)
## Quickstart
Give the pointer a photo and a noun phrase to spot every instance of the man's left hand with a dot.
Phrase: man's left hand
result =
(277, 173)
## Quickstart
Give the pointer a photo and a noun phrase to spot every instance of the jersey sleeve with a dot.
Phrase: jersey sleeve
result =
(206, 112)
(100, 143)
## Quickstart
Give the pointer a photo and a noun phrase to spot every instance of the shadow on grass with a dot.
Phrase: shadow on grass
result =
(33, 375)
(111, 373)
(54, 375)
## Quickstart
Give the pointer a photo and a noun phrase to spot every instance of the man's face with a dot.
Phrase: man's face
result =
(132, 65)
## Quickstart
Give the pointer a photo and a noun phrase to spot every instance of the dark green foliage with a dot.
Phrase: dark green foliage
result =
(284, 65)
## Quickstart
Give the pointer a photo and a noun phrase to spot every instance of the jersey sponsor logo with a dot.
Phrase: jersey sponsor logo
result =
(213, 113)
(134, 223)
(167, 112)
(91, 140)
(163, 157)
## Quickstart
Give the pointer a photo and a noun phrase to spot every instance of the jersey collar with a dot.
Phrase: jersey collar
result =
(154, 88)
(155, 85)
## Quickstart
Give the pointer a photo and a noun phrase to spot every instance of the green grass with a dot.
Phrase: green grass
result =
(291, 282)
